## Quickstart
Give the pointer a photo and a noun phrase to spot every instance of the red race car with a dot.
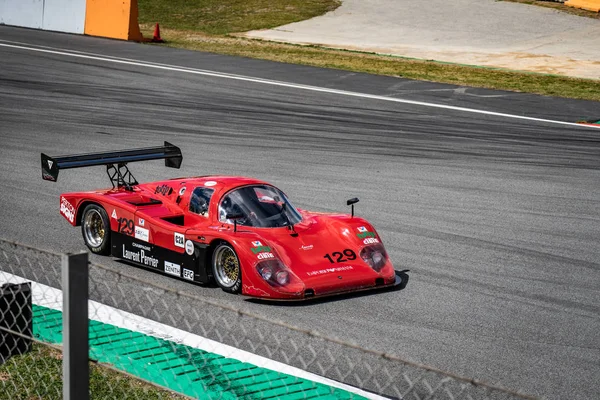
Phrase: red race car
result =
(242, 232)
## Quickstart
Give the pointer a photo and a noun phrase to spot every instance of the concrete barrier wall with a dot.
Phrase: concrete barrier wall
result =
(64, 15)
(53, 15)
(27, 13)
(117, 19)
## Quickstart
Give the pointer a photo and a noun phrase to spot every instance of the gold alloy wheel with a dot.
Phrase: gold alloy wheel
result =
(93, 228)
(226, 266)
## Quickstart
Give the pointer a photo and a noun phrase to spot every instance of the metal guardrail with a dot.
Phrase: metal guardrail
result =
(196, 347)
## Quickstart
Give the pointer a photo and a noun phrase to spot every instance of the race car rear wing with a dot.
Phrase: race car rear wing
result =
(116, 162)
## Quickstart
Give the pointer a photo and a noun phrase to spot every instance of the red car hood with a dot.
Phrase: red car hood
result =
(310, 255)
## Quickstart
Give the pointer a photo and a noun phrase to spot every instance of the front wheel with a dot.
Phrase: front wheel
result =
(226, 268)
(95, 228)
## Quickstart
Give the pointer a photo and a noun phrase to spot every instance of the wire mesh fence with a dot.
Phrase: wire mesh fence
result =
(148, 341)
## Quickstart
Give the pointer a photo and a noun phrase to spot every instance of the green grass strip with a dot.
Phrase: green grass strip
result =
(214, 25)
(222, 17)
(187, 370)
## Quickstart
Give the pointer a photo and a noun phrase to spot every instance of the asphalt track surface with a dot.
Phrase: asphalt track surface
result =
(497, 218)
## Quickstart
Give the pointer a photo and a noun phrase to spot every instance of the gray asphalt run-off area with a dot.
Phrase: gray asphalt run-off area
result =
(496, 217)
(475, 32)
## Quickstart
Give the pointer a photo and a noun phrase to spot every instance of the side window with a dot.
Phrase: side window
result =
(225, 208)
(200, 199)
(234, 203)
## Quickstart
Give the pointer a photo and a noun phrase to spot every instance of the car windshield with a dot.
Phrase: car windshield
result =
(260, 206)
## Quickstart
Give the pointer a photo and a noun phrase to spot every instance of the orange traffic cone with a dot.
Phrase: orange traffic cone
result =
(156, 38)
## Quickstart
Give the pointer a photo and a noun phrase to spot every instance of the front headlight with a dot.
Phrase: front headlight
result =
(278, 275)
(266, 271)
(282, 277)
(375, 256)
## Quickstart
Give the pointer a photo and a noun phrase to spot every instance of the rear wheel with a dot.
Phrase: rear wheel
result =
(95, 228)
(226, 268)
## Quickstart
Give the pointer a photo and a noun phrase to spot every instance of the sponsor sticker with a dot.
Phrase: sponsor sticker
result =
(67, 210)
(370, 240)
(210, 183)
(165, 190)
(142, 234)
(141, 222)
(256, 244)
(260, 249)
(309, 247)
(179, 240)
(365, 235)
(114, 214)
(182, 191)
(330, 270)
(141, 246)
(265, 256)
(189, 247)
(140, 256)
(172, 268)
(50, 164)
(188, 274)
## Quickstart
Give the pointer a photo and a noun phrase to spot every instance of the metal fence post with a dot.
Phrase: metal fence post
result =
(15, 315)
(75, 327)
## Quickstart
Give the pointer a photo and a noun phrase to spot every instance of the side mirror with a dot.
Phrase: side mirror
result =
(351, 203)
(234, 217)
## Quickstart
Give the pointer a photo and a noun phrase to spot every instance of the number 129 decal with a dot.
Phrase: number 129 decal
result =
(338, 257)
(125, 226)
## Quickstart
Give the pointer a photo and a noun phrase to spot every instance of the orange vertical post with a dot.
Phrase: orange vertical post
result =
(113, 19)
(590, 5)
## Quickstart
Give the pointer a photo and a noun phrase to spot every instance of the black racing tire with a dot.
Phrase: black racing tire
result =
(95, 229)
(226, 268)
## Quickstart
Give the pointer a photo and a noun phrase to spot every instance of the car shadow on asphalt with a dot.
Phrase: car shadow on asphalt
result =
(297, 303)
(337, 297)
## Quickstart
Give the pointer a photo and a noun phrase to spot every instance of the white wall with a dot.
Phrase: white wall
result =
(27, 13)
(64, 15)
(52, 15)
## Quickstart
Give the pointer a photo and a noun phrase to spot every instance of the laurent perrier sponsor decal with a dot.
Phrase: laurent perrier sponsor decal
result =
(172, 268)
(179, 240)
(141, 246)
(67, 209)
(140, 257)
(142, 234)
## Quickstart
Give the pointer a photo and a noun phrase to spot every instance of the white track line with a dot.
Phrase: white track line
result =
(50, 297)
(116, 60)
